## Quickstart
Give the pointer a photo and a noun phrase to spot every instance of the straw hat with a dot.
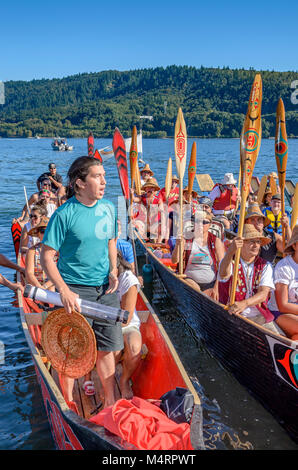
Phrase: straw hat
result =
(69, 343)
(175, 178)
(254, 211)
(229, 179)
(294, 238)
(194, 193)
(147, 168)
(42, 224)
(250, 232)
(151, 183)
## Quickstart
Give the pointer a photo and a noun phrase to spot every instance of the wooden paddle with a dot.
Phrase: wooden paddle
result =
(281, 155)
(90, 145)
(133, 155)
(121, 161)
(262, 189)
(205, 182)
(250, 145)
(180, 143)
(168, 182)
(294, 208)
(192, 167)
(97, 155)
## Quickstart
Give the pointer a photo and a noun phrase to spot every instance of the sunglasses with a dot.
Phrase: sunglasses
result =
(34, 216)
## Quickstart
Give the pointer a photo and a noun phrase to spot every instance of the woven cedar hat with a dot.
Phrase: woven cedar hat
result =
(151, 183)
(194, 193)
(69, 343)
(250, 232)
(147, 168)
(42, 224)
(254, 211)
(294, 238)
(175, 178)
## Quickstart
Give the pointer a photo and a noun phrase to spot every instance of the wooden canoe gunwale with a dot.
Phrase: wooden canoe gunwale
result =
(240, 345)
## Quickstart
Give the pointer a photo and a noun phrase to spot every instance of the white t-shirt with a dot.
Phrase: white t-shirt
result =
(126, 280)
(286, 272)
(266, 280)
(51, 209)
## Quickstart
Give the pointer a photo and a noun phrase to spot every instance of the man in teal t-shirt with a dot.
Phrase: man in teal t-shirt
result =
(83, 231)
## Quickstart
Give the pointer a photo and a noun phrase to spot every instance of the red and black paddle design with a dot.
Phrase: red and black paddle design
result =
(90, 143)
(97, 155)
(16, 230)
(121, 161)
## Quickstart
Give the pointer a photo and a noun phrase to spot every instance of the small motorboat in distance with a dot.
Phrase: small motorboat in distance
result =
(61, 145)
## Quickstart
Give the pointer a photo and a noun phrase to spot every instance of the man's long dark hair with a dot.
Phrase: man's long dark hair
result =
(79, 169)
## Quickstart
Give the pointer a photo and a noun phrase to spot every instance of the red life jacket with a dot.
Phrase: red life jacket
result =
(211, 247)
(173, 196)
(241, 289)
(227, 199)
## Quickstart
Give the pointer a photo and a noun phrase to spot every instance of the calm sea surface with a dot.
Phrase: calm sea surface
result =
(233, 419)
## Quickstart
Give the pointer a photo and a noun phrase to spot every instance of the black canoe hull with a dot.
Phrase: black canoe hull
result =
(261, 361)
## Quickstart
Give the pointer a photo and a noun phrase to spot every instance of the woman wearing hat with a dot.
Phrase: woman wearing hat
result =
(202, 253)
(174, 192)
(284, 303)
(151, 210)
(255, 278)
(255, 216)
(26, 241)
(35, 274)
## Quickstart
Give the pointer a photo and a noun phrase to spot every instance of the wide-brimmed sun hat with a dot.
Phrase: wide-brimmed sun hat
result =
(69, 343)
(228, 179)
(194, 193)
(175, 178)
(294, 238)
(42, 224)
(147, 168)
(251, 233)
(254, 210)
(151, 183)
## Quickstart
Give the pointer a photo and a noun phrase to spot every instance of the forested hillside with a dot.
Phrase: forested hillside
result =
(214, 102)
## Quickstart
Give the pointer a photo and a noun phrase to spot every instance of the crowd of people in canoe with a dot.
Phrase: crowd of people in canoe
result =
(71, 242)
(267, 287)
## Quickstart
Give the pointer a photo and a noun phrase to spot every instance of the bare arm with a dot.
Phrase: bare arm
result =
(11, 285)
(225, 266)
(113, 276)
(68, 298)
(282, 299)
(128, 302)
(10, 264)
(258, 298)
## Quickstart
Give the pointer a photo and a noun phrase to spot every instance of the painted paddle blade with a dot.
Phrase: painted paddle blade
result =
(294, 215)
(121, 161)
(281, 144)
(97, 155)
(251, 133)
(90, 145)
(138, 181)
(133, 155)
(180, 143)
(250, 142)
(16, 231)
(168, 183)
(192, 167)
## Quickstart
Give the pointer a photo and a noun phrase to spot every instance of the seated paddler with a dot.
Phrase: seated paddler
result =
(254, 280)
(202, 253)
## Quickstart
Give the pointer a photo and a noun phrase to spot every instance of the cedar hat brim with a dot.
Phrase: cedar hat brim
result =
(69, 343)
(251, 233)
(294, 238)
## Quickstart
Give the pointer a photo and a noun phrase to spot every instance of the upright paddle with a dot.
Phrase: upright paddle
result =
(168, 182)
(294, 208)
(133, 158)
(180, 143)
(121, 162)
(90, 145)
(192, 167)
(97, 155)
(281, 155)
(250, 142)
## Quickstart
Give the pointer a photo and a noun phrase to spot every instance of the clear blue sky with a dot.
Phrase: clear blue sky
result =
(42, 39)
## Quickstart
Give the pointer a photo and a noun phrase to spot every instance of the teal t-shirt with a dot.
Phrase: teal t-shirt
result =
(81, 234)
